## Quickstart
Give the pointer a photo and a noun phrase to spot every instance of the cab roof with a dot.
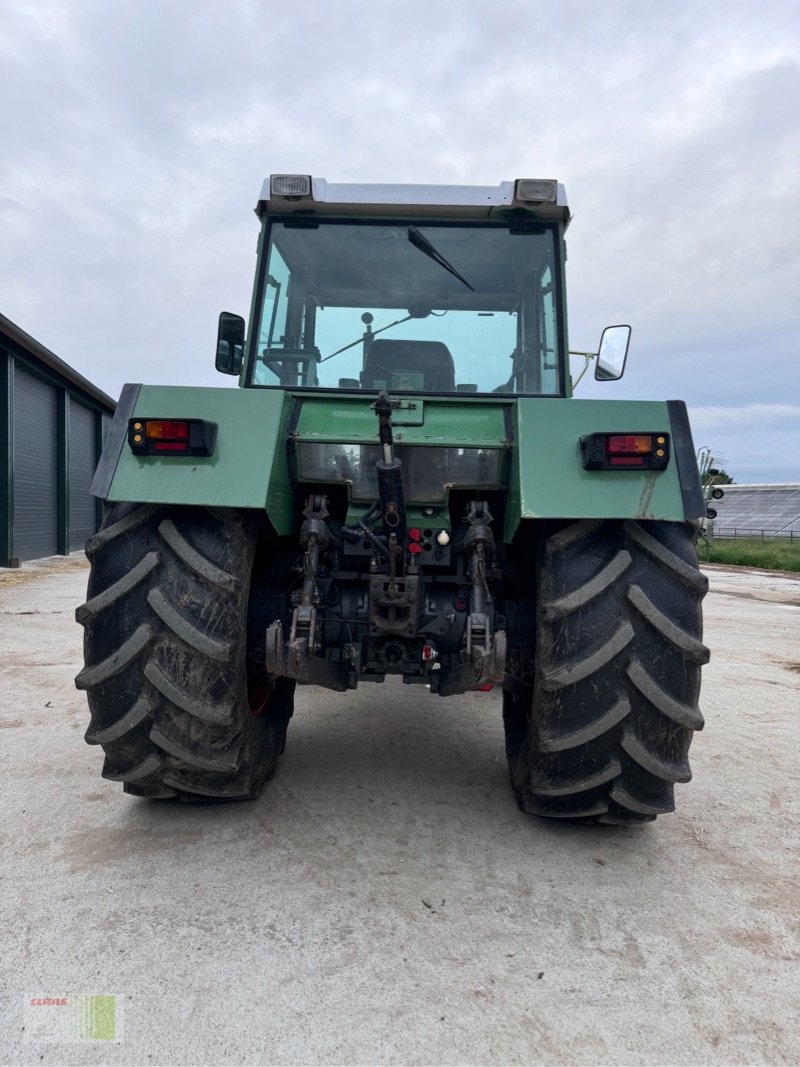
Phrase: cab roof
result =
(305, 194)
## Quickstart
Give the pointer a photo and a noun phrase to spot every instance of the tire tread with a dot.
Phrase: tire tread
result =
(165, 638)
(618, 651)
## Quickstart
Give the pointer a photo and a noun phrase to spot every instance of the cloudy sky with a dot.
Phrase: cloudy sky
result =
(135, 136)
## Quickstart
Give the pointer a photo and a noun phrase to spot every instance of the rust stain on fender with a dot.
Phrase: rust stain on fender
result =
(642, 512)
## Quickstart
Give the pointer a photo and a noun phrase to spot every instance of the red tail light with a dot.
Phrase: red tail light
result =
(629, 444)
(188, 437)
(166, 430)
(610, 451)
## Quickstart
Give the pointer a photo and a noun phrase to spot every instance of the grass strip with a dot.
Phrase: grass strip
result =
(780, 554)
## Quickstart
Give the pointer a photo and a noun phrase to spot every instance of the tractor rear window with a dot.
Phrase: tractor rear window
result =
(437, 308)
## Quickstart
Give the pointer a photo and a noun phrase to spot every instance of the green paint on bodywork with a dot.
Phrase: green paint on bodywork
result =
(250, 467)
(474, 423)
(548, 479)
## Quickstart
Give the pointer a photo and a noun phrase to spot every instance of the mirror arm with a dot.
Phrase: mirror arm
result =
(588, 357)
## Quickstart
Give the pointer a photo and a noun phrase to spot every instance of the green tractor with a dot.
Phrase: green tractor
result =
(402, 485)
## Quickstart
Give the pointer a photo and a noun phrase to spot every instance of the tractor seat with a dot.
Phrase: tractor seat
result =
(413, 365)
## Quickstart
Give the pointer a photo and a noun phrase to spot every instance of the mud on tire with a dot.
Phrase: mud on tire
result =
(606, 732)
(168, 675)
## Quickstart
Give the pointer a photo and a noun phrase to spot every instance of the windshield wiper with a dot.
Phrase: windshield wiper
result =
(424, 245)
(370, 332)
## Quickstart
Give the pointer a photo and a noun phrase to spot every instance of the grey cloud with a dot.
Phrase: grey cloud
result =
(136, 137)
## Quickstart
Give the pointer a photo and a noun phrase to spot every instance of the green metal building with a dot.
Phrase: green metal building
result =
(52, 425)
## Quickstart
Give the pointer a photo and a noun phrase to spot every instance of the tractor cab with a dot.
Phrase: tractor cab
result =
(399, 288)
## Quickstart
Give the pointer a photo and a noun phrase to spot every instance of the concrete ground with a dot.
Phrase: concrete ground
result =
(384, 901)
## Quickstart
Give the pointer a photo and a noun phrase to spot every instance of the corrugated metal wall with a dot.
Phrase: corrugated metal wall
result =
(82, 462)
(52, 423)
(35, 467)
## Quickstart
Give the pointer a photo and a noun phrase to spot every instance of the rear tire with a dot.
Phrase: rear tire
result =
(605, 733)
(169, 673)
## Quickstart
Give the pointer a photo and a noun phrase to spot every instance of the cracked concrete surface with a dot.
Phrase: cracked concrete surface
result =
(385, 901)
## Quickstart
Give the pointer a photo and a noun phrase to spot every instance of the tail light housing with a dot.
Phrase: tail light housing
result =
(172, 437)
(639, 450)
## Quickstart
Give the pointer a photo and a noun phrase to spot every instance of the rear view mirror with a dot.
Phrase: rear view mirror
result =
(230, 343)
(612, 353)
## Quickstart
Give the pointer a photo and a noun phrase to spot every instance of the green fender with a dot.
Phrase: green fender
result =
(548, 479)
(539, 436)
(249, 468)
